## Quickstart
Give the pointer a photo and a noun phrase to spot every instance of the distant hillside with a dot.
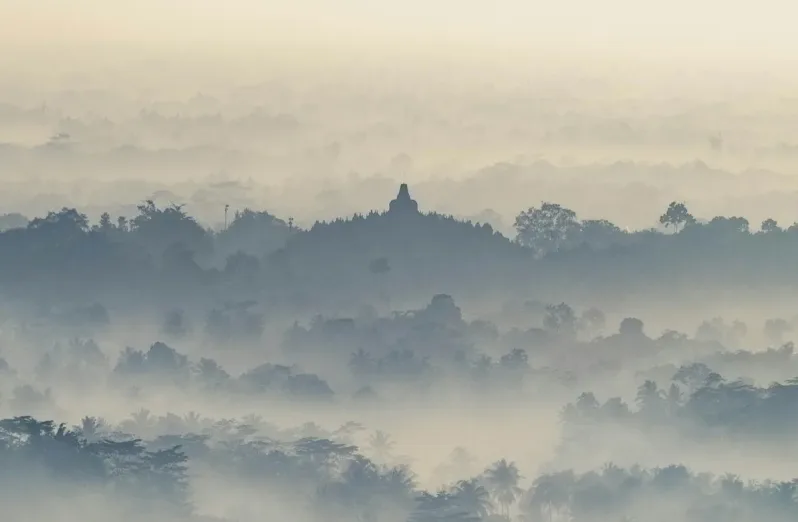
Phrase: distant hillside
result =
(399, 248)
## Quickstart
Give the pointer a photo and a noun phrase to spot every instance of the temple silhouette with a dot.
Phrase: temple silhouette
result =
(403, 203)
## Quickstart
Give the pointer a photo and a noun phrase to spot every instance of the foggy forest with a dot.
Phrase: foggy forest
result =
(398, 262)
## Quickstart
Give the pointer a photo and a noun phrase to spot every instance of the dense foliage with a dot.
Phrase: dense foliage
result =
(279, 328)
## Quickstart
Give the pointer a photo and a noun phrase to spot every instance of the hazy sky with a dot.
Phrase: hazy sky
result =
(728, 29)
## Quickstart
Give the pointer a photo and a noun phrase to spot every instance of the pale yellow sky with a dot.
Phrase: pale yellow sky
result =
(728, 30)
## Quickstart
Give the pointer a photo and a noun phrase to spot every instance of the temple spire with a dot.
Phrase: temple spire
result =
(403, 202)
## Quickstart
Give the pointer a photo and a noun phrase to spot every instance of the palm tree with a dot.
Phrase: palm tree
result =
(193, 421)
(472, 497)
(91, 428)
(381, 445)
(552, 492)
(398, 481)
(502, 478)
(139, 423)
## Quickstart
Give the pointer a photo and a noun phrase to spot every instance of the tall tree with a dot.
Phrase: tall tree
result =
(769, 226)
(502, 479)
(677, 216)
(473, 498)
(561, 320)
(548, 228)
(158, 228)
(381, 446)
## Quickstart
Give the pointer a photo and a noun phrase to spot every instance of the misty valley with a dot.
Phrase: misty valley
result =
(398, 261)
(401, 365)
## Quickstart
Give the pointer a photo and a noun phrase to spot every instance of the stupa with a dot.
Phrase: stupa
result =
(403, 204)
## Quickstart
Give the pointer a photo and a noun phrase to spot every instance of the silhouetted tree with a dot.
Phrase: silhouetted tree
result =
(502, 478)
(631, 326)
(677, 216)
(159, 228)
(548, 228)
(561, 320)
(769, 226)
